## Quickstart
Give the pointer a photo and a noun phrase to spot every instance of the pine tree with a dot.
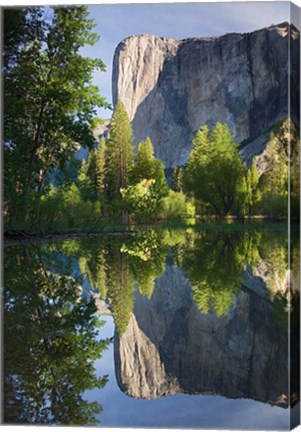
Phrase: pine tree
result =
(96, 168)
(178, 179)
(144, 166)
(100, 165)
(147, 167)
(118, 157)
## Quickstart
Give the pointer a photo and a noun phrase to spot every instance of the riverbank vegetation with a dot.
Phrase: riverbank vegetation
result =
(50, 112)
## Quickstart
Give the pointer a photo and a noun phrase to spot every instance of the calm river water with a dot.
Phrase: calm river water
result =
(164, 328)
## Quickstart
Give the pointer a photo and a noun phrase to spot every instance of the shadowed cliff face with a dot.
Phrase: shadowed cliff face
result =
(171, 87)
(170, 347)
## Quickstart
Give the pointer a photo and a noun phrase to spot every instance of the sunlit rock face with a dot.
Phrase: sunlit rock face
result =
(141, 372)
(171, 87)
(170, 347)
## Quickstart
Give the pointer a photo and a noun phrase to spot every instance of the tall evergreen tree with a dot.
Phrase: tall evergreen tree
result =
(95, 169)
(178, 179)
(147, 167)
(144, 162)
(119, 157)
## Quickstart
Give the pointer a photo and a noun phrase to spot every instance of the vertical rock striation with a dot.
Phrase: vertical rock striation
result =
(171, 87)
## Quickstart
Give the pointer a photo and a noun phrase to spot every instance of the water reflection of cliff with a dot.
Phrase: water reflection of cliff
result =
(196, 312)
(170, 347)
(198, 336)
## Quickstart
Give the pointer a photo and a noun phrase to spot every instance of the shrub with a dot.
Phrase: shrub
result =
(176, 206)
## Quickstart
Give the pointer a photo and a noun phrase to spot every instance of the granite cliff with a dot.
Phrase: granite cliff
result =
(170, 87)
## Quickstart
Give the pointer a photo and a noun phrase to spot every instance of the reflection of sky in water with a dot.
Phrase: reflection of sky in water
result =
(182, 410)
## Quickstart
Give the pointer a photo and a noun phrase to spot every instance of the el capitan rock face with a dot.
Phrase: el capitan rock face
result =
(171, 87)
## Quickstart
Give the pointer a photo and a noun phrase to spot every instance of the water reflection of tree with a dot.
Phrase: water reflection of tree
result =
(50, 342)
(146, 255)
(283, 285)
(214, 263)
(274, 253)
(115, 265)
(120, 286)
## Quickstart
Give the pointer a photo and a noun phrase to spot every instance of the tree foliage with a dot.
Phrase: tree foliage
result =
(176, 206)
(248, 192)
(49, 101)
(96, 167)
(214, 169)
(119, 155)
(91, 175)
(178, 179)
(50, 110)
(143, 197)
(282, 159)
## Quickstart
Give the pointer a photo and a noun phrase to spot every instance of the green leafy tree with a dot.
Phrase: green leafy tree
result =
(176, 206)
(140, 200)
(119, 158)
(248, 192)
(252, 190)
(275, 178)
(64, 207)
(49, 102)
(214, 169)
(282, 158)
(19, 30)
(241, 199)
(294, 170)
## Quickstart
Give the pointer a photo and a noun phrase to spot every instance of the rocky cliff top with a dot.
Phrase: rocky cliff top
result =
(170, 87)
(282, 30)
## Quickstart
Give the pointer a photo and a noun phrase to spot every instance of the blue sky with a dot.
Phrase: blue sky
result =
(114, 22)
